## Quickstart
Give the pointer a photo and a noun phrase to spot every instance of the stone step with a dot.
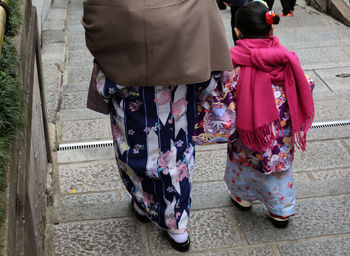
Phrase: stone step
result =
(99, 192)
(220, 231)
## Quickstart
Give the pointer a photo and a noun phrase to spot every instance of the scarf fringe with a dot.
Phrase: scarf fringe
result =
(299, 137)
(260, 138)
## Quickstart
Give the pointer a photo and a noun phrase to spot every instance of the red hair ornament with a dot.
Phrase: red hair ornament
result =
(269, 16)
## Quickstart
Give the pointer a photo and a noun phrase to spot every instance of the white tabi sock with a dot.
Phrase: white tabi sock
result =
(179, 238)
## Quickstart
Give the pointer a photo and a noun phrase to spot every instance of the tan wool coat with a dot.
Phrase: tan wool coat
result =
(155, 42)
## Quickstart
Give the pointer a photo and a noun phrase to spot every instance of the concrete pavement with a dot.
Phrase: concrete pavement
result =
(88, 208)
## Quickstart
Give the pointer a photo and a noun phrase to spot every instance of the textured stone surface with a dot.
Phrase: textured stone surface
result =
(57, 14)
(329, 133)
(72, 29)
(108, 238)
(338, 79)
(52, 95)
(321, 156)
(320, 56)
(100, 205)
(329, 110)
(89, 177)
(86, 130)
(59, 4)
(79, 74)
(316, 37)
(89, 154)
(51, 74)
(322, 247)
(75, 100)
(209, 229)
(322, 183)
(210, 165)
(54, 25)
(82, 86)
(53, 36)
(76, 42)
(79, 114)
(314, 217)
(210, 195)
(82, 56)
(321, 90)
(54, 53)
(256, 251)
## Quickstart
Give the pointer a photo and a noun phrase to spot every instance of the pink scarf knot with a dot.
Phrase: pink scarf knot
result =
(265, 62)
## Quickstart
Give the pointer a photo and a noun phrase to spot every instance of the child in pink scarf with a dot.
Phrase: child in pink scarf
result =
(274, 112)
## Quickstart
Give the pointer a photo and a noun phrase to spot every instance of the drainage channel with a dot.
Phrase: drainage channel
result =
(109, 143)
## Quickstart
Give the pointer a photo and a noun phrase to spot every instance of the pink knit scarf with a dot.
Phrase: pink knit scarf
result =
(265, 62)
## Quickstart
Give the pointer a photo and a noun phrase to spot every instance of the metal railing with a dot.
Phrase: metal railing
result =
(4, 12)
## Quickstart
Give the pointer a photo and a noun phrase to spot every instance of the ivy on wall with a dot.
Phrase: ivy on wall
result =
(11, 97)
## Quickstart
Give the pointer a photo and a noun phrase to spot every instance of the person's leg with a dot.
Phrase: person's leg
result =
(278, 195)
(221, 5)
(292, 4)
(152, 129)
(270, 3)
(286, 7)
(239, 179)
(233, 22)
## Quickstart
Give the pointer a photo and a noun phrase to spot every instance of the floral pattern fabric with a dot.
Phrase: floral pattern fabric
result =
(216, 115)
(276, 159)
(152, 131)
(268, 175)
(275, 190)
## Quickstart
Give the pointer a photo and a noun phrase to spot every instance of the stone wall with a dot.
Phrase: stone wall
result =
(339, 9)
(42, 7)
(23, 232)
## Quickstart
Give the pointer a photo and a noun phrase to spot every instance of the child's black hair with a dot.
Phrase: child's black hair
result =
(251, 20)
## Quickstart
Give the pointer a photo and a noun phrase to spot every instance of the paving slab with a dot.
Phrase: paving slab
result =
(322, 183)
(89, 177)
(337, 79)
(51, 74)
(75, 29)
(322, 155)
(210, 166)
(79, 74)
(81, 114)
(319, 247)
(321, 90)
(107, 238)
(52, 94)
(307, 37)
(54, 25)
(257, 251)
(331, 110)
(87, 154)
(321, 57)
(57, 14)
(314, 217)
(59, 4)
(82, 57)
(326, 133)
(54, 53)
(77, 87)
(75, 100)
(208, 229)
(85, 130)
(53, 36)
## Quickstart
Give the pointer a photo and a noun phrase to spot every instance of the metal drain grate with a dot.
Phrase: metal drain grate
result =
(330, 124)
(109, 143)
(85, 145)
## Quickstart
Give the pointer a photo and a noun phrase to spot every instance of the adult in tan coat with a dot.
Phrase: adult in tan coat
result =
(152, 57)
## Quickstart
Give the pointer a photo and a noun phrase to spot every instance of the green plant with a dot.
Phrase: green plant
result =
(11, 97)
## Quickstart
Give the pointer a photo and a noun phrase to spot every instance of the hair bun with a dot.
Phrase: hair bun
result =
(272, 17)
